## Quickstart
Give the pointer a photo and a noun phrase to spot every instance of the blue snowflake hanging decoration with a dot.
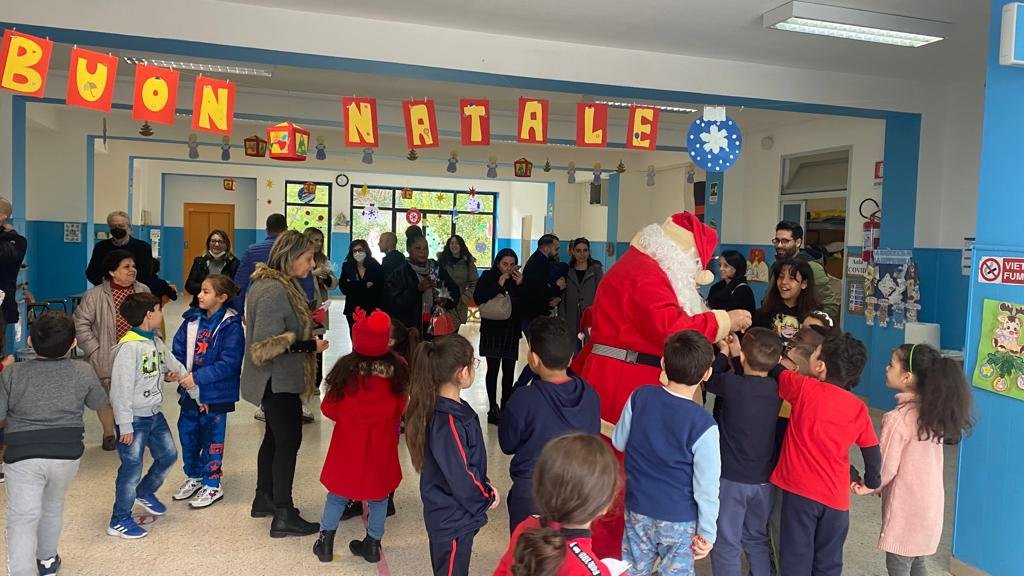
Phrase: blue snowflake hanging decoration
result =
(714, 145)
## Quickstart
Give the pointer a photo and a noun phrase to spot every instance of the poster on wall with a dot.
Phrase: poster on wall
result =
(757, 268)
(892, 292)
(855, 270)
(72, 232)
(1000, 360)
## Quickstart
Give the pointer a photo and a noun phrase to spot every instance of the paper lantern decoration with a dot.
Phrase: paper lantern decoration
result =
(523, 168)
(714, 144)
(406, 193)
(413, 217)
(288, 142)
(229, 183)
(255, 146)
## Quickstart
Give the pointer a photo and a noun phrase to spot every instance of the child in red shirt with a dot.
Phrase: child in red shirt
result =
(574, 482)
(814, 468)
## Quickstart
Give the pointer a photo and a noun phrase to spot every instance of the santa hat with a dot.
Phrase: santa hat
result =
(686, 231)
(371, 333)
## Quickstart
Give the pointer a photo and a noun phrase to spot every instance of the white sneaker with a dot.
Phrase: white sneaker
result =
(188, 489)
(259, 415)
(206, 496)
(307, 415)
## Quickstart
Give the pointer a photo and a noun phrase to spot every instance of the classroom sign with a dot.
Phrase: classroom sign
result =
(1000, 364)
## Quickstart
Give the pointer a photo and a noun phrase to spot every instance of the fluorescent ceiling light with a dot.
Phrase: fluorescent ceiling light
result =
(199, 66)
(678, 109)
(852, 24)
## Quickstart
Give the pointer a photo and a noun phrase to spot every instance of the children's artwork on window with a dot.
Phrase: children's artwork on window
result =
(1000, 358)
(757, 269)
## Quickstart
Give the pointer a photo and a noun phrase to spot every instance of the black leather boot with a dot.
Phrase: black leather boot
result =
(287, 522)
(324, 547)
(368, 548)
(262, 505)
(391, 504)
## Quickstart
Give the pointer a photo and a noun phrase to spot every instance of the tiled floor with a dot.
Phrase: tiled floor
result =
(223, 539)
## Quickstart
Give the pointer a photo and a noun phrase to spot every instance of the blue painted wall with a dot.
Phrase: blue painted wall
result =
(56, 269)
(990, 500)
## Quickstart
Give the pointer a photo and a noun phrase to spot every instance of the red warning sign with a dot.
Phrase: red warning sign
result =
(1001, 270)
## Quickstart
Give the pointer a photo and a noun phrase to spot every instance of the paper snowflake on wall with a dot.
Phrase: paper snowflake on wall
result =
(714, 145)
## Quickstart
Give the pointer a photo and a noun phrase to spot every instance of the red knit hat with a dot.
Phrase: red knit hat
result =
(371, 333)
(686, 231)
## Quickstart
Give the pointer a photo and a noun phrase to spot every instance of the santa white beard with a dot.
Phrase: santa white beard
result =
(681, 266)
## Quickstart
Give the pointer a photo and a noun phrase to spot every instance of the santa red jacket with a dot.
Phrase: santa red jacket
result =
(362, 461)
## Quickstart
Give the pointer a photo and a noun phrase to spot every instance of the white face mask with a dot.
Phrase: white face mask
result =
(216, 254)
(359, 256)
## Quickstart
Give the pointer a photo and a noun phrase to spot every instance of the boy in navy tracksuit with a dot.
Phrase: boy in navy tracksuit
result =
(672, 464)
(747, 426)
(554, 404)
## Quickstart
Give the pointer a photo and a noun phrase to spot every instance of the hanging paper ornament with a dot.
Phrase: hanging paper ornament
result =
(225, 148)
(492, 167)
(321, 148)
(714, 141)
(269, 183)
(522, 168)
(146, 129)
(473, 204)
(367, 155)
(453, 161)
(621, 167)
(689, 176)
(370, 212)
(597, 173)
(288, 141)
(307, 193)
(104, 132)
(455, 214)
(650, 175)
(406, 193)
(547, 165)
(364, 192)
(193, 146)
(255, 146)
(572, 172)
(412, 156)
(413, 217)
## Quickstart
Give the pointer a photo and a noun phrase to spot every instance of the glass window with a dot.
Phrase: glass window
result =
(309, 207)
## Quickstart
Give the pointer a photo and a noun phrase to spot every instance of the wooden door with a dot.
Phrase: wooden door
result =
(200, 220)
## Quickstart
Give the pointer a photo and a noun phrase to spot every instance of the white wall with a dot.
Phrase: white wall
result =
(6, 175)
(751, 199)
(179, 189)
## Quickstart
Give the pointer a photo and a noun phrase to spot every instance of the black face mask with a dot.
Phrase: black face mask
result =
(118, 233)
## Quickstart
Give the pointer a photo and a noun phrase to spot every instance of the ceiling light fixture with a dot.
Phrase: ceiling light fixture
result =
(852, 24)
(199, 66)
(678, 109)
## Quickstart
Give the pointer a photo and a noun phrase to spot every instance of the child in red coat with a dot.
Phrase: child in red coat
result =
(366, 396)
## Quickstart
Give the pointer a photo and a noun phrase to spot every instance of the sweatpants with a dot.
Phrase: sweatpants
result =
(35, 510)
(898, 565)
(742, 527)
(282, 436)
(812, 537)
(451, 557)
(202, 445)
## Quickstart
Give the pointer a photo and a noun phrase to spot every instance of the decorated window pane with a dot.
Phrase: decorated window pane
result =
(382, 197)
(308, 205)
(301, 193)
(422, 200)
(478, 232)
(370, 230)
(481, 202)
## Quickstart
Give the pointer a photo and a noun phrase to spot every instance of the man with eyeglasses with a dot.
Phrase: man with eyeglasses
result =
(789, 244)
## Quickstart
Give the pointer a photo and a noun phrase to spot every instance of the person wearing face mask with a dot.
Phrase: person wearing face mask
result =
(361, 280)
(217, 259)
(120, 239)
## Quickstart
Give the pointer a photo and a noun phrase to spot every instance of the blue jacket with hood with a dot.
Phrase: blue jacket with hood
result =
(218, 375)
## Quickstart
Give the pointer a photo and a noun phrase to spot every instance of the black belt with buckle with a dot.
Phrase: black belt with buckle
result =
(628, 356)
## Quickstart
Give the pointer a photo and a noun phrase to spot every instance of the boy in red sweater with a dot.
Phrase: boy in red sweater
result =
(814, 468)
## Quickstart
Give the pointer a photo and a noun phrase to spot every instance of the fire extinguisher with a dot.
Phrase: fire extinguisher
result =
(872, 230)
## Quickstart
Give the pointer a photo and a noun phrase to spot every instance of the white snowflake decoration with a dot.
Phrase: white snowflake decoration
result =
(370, 212)
(715, 140)
(714, 145)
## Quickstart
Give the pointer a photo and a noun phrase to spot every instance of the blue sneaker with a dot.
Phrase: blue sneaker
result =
(151, 504)
(126, 528)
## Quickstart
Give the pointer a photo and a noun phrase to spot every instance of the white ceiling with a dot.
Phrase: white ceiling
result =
(726, 29)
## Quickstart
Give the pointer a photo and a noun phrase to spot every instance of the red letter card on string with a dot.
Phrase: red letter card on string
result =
(591, 125)
(213, 105)
(156, 94)
(91, 79)
(360, 117)
(476, 122)
(24, 63)
(643, 128)
(533, 121)
(420, 124)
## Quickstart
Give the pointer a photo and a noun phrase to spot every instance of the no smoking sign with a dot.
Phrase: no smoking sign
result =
(1001, 270)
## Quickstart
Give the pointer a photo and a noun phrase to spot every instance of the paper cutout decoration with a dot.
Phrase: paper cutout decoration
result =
(255, 146)
(1000, 364)
(651, 172)
(597, 173)
(642, 129)
(156, 94)
(91, 79)
(413, 217)
(24, 63)
(193, 147)
(547, 165)
(288, 142)
(523, 168)
(533, 121)
(146, 129)
(621, 167)
(213, 105)
(412, 156)
(360, 117)
(367, 155)
(307, 194)
(714, 145)
(473, 204)
(370, 212)
(225, 148)
(420, 124)
(453, 162)
(571, 172)
(475, 115)
(492, 167)
(321, 148)
(591, 125)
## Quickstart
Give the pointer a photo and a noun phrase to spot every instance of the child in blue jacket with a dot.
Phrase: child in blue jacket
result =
(446, 445)
(211, 343)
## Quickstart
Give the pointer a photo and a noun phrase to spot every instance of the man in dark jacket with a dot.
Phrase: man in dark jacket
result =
(393, 259)
(556, 403)
(256, 253)
(12, 254)
(540, 291)
(120, 239)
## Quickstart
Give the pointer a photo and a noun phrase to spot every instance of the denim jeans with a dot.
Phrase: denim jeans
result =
(335, 505)
(202, 445)
(149, 432)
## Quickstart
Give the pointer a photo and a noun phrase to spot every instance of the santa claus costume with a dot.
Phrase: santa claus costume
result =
(650, 294)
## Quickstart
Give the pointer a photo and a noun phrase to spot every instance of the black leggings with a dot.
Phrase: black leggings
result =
(275, 466)
(508, 373)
